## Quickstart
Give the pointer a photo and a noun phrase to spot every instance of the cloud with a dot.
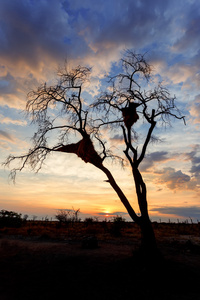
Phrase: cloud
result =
(175, 179)
(117, 138)
(6, 136)
(195, 170)
(7, 120)
(113, 213)
(106, 28)
(32, 38)
(181, 211)
(189, 40)
(13, 89)
(195, 109)
(172, 178)
(36, 36)
(31, 29)
(180, 72)
(152, 158)
(194, 157)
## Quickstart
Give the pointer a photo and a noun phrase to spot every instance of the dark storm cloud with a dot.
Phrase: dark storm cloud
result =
(186, 212)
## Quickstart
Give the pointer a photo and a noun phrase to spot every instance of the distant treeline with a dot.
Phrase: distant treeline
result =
(66, 217)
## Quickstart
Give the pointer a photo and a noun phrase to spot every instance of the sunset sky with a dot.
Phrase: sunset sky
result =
(38, 36)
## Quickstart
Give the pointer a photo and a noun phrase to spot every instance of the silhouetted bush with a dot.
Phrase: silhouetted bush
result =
(89, 221)
(117, 224)
(10, 219)
(66, 216)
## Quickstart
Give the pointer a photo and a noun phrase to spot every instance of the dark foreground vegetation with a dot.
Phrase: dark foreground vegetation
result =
(97, 260)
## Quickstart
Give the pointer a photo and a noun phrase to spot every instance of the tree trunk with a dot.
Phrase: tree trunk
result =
(148, 240)
(149, 248)
(151, 255)
(120, 194)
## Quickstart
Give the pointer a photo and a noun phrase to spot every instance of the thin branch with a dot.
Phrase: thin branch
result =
(148, 137)
(126, 152)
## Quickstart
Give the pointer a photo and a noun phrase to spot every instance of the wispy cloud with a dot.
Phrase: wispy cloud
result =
(115, 213)
(6, 136)
(195, 109)
(7, 120)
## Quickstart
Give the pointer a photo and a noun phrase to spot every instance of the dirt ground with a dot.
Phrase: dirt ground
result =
(45, 268)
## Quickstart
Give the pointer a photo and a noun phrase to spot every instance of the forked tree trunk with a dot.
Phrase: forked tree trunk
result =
(148, 244)
(148, 241)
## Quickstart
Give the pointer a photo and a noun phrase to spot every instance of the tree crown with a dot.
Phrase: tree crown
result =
(59, 110)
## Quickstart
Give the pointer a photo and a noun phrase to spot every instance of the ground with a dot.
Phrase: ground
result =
(54, 264)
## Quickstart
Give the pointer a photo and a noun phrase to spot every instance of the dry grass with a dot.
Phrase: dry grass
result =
(42, 261)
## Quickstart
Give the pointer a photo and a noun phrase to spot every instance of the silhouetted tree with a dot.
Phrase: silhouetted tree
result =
(10, 219)
(65, 216)
(59, 111)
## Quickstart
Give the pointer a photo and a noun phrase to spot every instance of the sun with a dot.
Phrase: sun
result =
(107, 212)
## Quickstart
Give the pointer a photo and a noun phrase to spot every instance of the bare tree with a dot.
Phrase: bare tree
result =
(120, 106)
(66, 216)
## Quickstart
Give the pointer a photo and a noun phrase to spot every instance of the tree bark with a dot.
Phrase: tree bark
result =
(148, 240)
(149, 247)
(120, 193)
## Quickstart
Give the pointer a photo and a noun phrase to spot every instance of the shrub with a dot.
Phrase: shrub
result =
(10, 219)
(66, 216)
(117, 224)
(89, 221)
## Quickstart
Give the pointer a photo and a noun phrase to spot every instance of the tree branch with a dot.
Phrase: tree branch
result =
(148, 137)
(120, 194)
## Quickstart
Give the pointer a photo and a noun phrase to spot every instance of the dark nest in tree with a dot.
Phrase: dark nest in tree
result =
(85, 150)
(130, 115)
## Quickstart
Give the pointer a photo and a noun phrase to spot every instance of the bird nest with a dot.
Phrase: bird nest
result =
(130, 115)
(85, 150)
